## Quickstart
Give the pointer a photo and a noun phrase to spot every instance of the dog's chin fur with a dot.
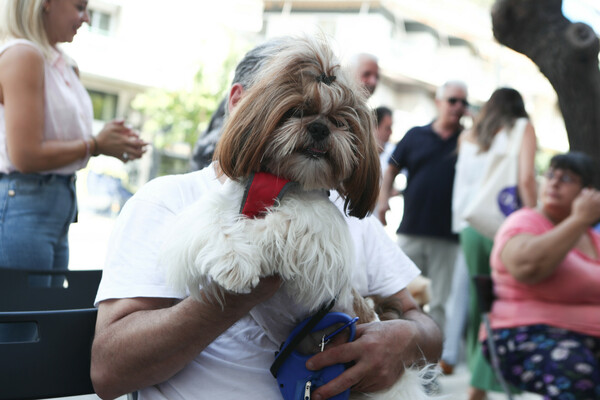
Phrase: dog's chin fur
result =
(304, 120)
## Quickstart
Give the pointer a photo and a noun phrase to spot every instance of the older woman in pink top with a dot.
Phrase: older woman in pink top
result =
(45, 132)
(546, 270)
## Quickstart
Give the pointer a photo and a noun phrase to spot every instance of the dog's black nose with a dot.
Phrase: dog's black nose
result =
(318, 130)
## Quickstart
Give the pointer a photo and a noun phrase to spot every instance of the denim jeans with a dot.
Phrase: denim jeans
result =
(35, 214)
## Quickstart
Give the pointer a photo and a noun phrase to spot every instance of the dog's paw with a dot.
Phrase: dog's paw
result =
(235, 278)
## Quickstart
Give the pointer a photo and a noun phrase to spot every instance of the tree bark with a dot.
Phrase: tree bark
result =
(567, 54)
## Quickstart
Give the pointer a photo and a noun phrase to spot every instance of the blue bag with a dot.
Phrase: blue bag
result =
(295, 381)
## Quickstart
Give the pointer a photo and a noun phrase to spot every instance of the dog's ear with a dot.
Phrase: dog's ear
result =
(362, 188)
(232, 150)
(250, 125)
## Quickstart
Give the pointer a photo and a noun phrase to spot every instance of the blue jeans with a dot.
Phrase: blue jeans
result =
(35, 214)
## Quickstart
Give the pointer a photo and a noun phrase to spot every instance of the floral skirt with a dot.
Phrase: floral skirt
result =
(556, 363)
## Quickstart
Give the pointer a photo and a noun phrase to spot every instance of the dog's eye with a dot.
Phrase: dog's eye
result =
(293, 113)
(337, 122)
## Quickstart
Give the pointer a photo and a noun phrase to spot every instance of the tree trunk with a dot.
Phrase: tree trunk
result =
(567, 54)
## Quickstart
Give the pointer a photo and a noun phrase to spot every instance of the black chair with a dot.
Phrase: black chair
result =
(46, 354)
(47, 323)
(484, 286)
(28, 290)
(47, 326)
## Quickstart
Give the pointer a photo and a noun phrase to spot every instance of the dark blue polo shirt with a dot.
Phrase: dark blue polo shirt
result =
(429, 161)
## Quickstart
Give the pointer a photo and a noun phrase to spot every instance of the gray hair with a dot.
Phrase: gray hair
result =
(254, 60)
(356, 59)
(245, 73)
(441, 91)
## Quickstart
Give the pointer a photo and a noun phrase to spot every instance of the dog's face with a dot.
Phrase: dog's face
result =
(306, 120)
(316, 142)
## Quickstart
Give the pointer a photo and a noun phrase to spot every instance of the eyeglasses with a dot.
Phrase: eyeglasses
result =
(453, 100)
(562, 176)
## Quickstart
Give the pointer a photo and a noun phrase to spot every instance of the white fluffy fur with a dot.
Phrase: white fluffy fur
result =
(305, 240)
(409, 387)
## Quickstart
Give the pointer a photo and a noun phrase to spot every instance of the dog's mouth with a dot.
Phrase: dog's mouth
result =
(315, 152)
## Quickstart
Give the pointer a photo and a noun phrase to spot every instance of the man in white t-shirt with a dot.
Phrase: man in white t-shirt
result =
(150, 340)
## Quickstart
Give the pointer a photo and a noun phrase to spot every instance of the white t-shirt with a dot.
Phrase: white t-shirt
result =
(235, 365)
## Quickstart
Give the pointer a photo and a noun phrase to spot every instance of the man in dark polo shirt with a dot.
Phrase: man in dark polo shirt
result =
(428, 154)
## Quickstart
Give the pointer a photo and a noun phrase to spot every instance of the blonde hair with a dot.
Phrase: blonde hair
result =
(22, 19)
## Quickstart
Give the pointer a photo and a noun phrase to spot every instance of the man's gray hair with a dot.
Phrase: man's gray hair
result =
(245, 73)
(255, 59)
(441, 91)
(356, 59)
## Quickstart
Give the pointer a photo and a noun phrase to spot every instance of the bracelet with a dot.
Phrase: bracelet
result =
(87, 148)
(96, 150)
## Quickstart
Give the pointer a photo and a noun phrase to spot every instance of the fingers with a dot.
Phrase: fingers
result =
(335, 355)
(362, 376)
(336, 386)
(587, 204)
(267, 286)
(132, 151)
(341, 354)
(120, 141)
(377, 360)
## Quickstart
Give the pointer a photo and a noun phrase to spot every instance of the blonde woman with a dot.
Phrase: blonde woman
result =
(45, 132)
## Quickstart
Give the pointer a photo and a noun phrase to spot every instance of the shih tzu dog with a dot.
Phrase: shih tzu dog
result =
(303, 128)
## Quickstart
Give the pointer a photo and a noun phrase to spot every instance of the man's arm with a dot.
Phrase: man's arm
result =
(380, 351)
(386, 191)
(141, 342)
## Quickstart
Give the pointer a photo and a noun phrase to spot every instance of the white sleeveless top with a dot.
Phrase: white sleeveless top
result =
(68, 113)
(471, 167)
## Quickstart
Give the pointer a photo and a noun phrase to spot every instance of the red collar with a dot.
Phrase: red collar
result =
(262, 191)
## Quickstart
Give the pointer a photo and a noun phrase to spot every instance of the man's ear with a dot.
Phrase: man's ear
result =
(235, 95)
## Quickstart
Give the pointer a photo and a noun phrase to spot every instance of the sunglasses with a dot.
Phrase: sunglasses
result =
(453, 100)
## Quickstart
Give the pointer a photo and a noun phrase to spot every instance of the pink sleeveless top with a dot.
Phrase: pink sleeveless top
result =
(68, 111)
(569, 299)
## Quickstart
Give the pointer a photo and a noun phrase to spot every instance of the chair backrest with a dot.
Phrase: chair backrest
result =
(46, 354)
(484, 285)
(28, 290)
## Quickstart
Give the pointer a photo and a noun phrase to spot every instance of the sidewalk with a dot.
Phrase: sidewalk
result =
(456, 386)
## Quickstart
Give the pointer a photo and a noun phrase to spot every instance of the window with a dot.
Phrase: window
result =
(104, 105)
(100, 22)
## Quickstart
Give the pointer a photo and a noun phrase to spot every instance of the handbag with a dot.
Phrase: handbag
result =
(498, 195)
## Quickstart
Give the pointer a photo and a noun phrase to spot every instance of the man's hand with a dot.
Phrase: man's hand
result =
(379, 353)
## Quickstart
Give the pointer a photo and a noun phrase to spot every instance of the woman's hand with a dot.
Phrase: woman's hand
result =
(119, 141)
(586, 206)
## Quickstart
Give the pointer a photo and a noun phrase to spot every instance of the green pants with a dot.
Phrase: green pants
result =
(477, 249)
